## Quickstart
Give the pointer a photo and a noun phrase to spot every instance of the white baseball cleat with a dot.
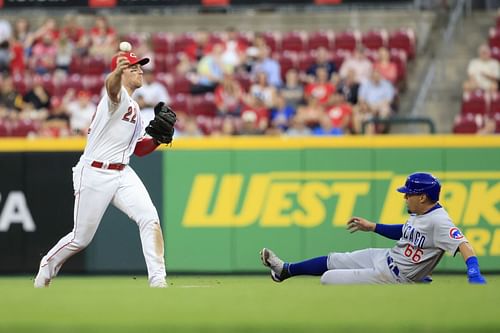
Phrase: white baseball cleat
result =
(279, 269)
(42, 279)
(159, 284)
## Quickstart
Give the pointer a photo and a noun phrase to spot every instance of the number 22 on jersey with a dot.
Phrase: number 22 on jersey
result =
(130, 115)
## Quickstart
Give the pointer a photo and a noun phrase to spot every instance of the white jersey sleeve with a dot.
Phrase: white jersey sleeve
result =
(448, 237)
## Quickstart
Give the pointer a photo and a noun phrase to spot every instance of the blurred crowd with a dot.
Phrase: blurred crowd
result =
(480, 111)
(219, 83)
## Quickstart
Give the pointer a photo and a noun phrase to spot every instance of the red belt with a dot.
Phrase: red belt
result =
(111, 166)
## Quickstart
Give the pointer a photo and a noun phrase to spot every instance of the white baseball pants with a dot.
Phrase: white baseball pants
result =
(95, 189)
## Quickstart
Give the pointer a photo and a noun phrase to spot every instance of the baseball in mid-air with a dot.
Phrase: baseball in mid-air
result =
(125, 47)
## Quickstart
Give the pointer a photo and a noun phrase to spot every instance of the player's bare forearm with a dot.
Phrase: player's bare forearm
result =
(466, 250)
(356, 223)
(113, 86)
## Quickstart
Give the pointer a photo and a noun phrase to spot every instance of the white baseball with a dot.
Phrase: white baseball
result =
(125, 47)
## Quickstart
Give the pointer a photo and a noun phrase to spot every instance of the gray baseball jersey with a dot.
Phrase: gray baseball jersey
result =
(424, 241)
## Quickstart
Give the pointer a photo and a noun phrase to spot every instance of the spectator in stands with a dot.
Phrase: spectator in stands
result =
(269, 66)
(103, 38)
(250, 124)
(9, 97)
(312, 112)
(152, 90)
(44, 53)
(340, 113)
(228, 97)
(281, 114)
(48, 28)
(57, 122)
(325, 127)
(210, 71)
(200, 46)
(257, 107)
(189, 128)
(250, 59)
(75, 33)
(298, 127)
(378, 93)
(64, 53)
(17, 63)
(483, 71)
(363, 113)
(37, 98)
(5, 31)
(349, 87)
(80, 109)
(322, 60)
(262, 91)
(5, 56)
(234, 50)
(293, 90)
(321, 88)
(387, 68)
(23, 34)
(359, 63)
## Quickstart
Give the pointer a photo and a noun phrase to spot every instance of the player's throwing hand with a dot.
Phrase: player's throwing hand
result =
(121, 62)
(358, 223)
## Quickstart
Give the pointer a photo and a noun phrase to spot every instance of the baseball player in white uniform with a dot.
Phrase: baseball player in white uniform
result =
(103, 175)
(422, 241)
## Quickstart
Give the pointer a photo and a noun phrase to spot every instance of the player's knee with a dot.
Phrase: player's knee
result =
(327, 278)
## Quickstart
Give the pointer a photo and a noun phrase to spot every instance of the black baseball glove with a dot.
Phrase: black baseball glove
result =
(161, 128)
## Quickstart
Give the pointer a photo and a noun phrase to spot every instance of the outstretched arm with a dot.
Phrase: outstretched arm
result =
(145, 146)
(392, 231)
(114, 80)
(473, 272)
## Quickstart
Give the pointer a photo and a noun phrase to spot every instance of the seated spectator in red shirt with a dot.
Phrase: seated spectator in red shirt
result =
(43, 58)
(17, 60)
(385, 66)
(261, 112)
(228, 97)
(48, 28)
(322, 89)
(103, 38)
(340, 113)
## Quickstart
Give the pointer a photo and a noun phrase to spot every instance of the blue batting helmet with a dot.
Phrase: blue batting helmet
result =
(422, 183)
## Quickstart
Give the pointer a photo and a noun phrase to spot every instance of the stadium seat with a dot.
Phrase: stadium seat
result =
(161, 42)
(75, 66)
(159, 63)
(181, 41)
(374, 39)
(465, 124)
(495, 53)
(338, 57)
(48, 83)
(403, 39)
(286, 61)
(293, 41)
(94, 66)
(319, 39)
(180, 85)
(74, 81)
(305, 60)
(494, 109)
(474, 103)
(399, 58)
(93, 83)
(4, 128)
(24, 127)
(346, 40)
(171, 62)
(204, 105)
(215, 38)
(21, 84)
(244, 80)
(181, 103)
(494, 37)
(136, 39)
(272, 41)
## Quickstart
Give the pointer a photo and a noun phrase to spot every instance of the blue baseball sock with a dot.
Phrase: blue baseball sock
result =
(314, 266)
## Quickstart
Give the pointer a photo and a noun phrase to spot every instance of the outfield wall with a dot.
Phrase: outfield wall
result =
(222, 199)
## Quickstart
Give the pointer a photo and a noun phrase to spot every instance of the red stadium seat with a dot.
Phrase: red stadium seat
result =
(93, 83)
(204, 105)
(374, 39)
(465, 124)
(474, 103)
(495, 53)
(75, 66)
(272, 41)
(286, 61)
(494, 37)
(4, 128)
(346, 40)
(305, 60)
(181, 42)
(403, 39)
(244, 81)
(48, 83)
(136, 39)
(171, 62)
(159, 63)
(180, 85)
(399, 58)
(181, 103)
(74, 81)
(215, 38)
(94, 66)
(161, 42)
(319, 39)
(293, 41)
(495, 105)
(338, 57)
(24, 127)
(20, 84)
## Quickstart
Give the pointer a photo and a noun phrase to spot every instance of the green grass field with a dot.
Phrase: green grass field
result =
(246, 304)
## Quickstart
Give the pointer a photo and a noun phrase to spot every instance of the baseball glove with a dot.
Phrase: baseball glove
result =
(161, 128)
